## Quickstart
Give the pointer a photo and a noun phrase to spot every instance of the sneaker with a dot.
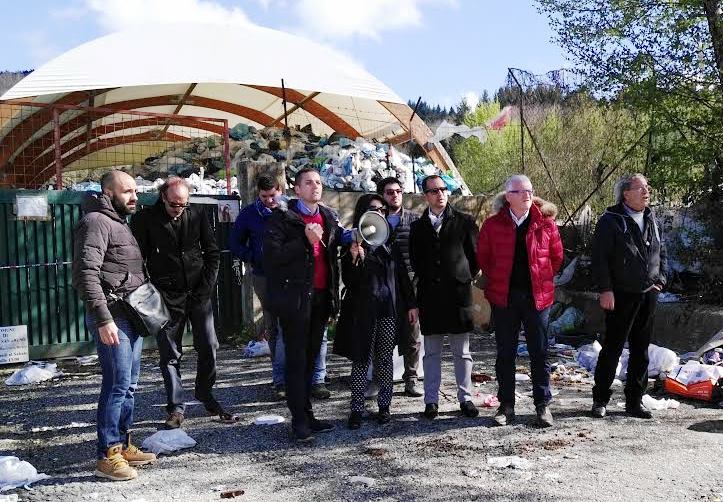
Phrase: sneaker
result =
(410, 388)
(114, 467)
(598, 410)
(637, 410)
(469, 410)
(174, 420)
(384, 417)
(544, 416)
(280, 392)
(320, 426)
(319, 391)
(135, 456)
(431, 410)
(355, 420)
(505, 415)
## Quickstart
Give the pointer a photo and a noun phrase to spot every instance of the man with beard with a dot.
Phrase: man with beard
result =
(107, 258)
(179, 246)
(399, 220)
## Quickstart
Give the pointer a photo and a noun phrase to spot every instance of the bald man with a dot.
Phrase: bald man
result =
(182, 256)
(107, 257)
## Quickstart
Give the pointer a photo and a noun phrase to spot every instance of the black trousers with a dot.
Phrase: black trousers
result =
(632, 320)
(204, 341)
(303, 333)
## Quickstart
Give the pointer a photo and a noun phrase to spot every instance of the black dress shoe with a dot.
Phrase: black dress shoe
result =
(384, 417)
(320, 426)
(431, 411)
(355, 420)
(303, 435)
(469, 410)
(637, 410)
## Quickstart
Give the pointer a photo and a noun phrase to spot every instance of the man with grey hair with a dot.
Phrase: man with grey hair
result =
(519, 250)
(180, 251)
(630, 265)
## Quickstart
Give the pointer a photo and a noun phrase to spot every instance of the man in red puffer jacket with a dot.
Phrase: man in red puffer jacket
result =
(519, 251)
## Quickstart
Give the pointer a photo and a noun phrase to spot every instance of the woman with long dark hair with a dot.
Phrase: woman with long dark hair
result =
(377, 309)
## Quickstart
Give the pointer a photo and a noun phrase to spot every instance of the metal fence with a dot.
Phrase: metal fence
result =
(35, 274)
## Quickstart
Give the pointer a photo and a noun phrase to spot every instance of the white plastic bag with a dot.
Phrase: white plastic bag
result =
(257, 349)
(168, 441)
(661, 360)
(33, 372)
(15, 473)
(659, 404)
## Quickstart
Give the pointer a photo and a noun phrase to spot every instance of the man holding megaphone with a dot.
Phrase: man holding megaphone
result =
(378, 308)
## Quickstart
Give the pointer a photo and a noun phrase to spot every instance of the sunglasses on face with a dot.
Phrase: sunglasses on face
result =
(436, 191)
(376, 208)
(392, 191)
(521, 192)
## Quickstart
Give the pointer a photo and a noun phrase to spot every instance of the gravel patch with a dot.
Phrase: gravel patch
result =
(675, 456)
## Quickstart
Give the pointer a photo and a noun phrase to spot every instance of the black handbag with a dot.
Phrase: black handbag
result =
(145, 307)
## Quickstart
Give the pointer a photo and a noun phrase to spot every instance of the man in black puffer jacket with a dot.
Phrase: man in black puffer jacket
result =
(630, 265)
(106, 258)
(182, 256)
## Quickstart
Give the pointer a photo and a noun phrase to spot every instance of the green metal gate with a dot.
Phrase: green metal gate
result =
(36, 270)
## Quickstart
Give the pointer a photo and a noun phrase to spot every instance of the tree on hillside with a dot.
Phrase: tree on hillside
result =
(661, 57)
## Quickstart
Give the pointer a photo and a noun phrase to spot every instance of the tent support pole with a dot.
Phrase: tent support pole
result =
(227, 156)
(58, 151)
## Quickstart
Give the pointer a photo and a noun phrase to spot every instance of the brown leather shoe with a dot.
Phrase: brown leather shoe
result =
(174, 420)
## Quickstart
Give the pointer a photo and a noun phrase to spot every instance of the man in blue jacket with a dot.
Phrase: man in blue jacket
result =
(246, 242)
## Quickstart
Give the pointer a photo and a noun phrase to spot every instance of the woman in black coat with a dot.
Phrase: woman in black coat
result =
(378, 309)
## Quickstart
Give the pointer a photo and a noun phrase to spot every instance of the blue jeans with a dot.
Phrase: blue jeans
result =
(120, 366)
(278, 360)
(521, 310)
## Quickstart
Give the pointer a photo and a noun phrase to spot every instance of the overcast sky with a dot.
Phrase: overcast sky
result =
(441, 50)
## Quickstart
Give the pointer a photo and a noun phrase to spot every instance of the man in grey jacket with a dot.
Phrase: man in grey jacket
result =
(107, 258)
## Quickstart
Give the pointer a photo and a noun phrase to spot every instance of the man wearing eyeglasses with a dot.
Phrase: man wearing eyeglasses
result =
(519, 251)
(442, 246)
(630, 265)
(400, 220)
(182, 257)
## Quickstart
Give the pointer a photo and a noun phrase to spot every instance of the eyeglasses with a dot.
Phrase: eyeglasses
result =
(436, 191)
(392, 191)
(521, 192)
(177, 206)
(376, 208)
(641, 189)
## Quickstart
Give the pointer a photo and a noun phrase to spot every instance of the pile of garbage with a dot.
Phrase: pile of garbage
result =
(344, 164)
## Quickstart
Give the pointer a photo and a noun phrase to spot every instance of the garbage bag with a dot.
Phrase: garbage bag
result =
(659, 404)
(570, 320)
(15, 473)
(257, 349)
(168, 441)
(661, 360)
(694, 372)
(33, 372)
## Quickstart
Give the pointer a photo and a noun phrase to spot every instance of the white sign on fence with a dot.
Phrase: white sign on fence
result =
(13, 344)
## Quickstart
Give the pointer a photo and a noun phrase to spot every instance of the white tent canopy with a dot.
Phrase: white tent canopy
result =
(218, 71)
